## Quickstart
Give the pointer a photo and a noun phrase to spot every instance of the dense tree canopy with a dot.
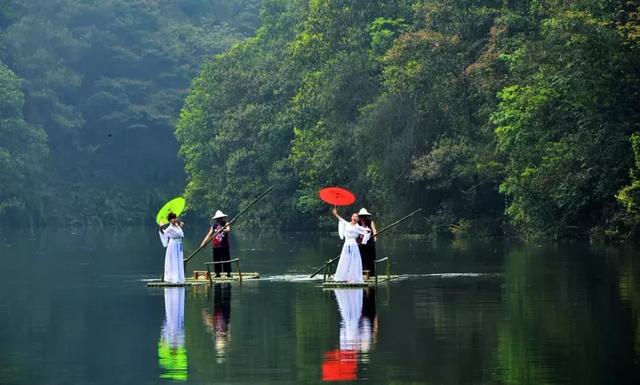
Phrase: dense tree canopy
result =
(564, 125)
(469, 109)
(22, 150)
(233, 137)
(106, 80)
(493, 116)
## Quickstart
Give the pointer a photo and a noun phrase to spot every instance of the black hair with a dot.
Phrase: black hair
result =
(171, 216)
(364, 219)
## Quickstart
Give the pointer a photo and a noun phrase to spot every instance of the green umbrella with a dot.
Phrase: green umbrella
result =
(176, 206)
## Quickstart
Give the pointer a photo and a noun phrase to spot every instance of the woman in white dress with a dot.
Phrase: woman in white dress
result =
(350, 264)
(171, 238)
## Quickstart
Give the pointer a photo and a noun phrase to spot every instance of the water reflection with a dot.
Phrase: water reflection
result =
(554, 315)
(218, 321)
(358, 329)
(562, 316)
(172, 354)
(368, 321)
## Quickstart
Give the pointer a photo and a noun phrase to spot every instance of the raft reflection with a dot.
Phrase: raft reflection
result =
(172, 354)
(358, 329)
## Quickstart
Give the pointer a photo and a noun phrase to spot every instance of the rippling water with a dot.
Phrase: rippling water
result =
(75, 310)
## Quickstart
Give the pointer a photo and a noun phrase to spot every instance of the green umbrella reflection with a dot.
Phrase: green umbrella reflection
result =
(172, 354)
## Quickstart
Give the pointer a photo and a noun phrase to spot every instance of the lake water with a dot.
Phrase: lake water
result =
(74, 309)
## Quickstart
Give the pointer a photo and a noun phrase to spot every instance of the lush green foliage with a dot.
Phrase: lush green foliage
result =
(22, 149)
(234, 140)
(564, 127)
(106, 80)
(468, 109)
(629, 195)
(430, 104)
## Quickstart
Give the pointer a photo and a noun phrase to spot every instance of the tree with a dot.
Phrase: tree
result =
(563, 127)
(106, 80)
(233, 135)
(23, 149)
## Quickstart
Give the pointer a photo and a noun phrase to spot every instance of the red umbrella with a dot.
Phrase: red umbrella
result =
(337, 196)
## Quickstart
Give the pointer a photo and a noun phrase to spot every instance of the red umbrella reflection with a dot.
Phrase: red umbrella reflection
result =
(340, 365)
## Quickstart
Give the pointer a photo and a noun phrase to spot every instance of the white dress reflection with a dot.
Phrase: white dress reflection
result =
(350, 305)
(172, 354)
(357, 331)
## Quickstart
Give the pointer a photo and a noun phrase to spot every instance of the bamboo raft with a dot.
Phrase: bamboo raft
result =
(205, 276)
(202, 277)
(369, 282)
(188, 282)
(329, 283)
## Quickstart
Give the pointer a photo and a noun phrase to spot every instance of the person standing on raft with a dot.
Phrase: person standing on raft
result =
(367, 249)
(220, 243)
(171, 236)
(350, 264)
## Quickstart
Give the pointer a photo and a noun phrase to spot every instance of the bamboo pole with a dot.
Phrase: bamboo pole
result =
(225, 226)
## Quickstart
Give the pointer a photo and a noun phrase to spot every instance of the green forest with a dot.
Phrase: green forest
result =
(91, 90)
(495, 117)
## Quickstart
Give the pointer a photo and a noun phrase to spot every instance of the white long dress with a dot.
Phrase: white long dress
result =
(171, 238)
(350, 264)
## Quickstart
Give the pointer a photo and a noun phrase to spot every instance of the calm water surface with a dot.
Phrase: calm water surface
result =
(74, 309)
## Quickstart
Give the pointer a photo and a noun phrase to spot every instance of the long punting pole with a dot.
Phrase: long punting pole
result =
(377, 234)
(225, 226)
